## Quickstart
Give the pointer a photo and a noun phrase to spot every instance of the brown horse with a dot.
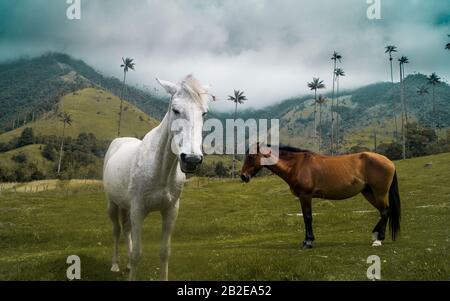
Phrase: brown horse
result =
(312, 175)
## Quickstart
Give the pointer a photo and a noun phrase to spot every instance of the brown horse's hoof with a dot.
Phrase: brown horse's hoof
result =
(307, 245)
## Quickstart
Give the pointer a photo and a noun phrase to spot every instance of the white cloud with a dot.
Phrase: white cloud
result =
(268, 48)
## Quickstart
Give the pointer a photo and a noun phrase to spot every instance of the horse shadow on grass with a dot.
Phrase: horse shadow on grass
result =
(91, 268)
(297, 245)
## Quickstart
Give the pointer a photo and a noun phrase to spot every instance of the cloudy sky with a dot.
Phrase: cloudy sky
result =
(268, 48)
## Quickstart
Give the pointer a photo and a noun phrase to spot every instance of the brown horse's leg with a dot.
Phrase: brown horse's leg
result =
(379, 202)
(305, 202)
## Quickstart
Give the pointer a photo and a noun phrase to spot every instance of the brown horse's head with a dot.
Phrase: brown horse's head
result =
(252, 164)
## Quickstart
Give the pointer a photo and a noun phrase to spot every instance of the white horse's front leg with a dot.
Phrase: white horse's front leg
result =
(169, 216)
(137, 219)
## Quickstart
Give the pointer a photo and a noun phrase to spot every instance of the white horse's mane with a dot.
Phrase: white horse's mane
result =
(195, 90)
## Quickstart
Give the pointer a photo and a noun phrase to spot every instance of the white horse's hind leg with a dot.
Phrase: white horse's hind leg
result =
(126, 226)
(113, 212)
(137, 219)
(169, 217)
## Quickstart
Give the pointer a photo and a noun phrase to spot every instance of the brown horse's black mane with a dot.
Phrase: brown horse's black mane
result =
(289, 149)
(292, 149)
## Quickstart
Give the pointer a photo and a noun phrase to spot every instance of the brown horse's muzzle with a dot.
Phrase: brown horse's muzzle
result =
(245, 178)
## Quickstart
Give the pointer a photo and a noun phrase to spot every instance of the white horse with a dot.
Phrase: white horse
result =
(140, 176)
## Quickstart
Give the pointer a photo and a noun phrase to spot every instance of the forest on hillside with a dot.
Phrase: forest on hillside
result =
(31, 88)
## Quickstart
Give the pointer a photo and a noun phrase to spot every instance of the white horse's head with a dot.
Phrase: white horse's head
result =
(188, 106)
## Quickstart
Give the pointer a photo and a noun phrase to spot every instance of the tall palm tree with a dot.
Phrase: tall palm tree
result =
(338, 73)
(336, 57)
(315, 85)
(127, 64)
(321, 100)
(390, 49)
(237, 98)
(403, 60)
(422, 91)
(434, 80)
(66, 119)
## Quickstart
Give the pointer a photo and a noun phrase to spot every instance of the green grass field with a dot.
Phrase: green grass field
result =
(227, 230)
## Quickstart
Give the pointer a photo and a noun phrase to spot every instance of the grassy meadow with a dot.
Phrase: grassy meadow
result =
(228, 230)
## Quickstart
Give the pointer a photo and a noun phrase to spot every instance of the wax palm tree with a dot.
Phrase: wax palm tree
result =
(390, 49)
(422, 91)
(66, 119)
(338, 73)
(434, 80)
(320, 101)
(403, 60)
(315, 85)
(336, 57)
(127, 64)
(238, 98)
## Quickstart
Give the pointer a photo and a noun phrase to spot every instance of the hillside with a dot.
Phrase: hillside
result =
(34, 156)
(32, 87)
(94, 115)
(363, 112)
(93, 111)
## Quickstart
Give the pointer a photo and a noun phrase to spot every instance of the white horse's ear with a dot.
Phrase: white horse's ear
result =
(170, 88)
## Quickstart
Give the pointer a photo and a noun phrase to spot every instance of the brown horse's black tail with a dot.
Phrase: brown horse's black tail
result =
(394, 208)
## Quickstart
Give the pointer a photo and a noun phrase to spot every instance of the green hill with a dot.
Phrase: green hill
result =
(363, 112)
(93, 111)
(33, 153)
(95, 116)
(32, 87)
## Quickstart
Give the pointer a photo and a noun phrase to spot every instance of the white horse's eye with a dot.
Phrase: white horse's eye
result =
(204, 114)
(176, 111)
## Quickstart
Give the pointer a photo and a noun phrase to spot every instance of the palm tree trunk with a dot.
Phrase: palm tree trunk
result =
(61, 148)
(434, 111)
(406, 108)
(121, 104)
(233, 172)
(320, 126)
(315, 117)
(337, 113)
(332, 115)
(394, 109)
(403, 115)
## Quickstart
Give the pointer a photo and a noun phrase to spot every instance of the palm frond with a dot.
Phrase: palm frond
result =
(433, 79)
(127, 64)
(316, 83)
(422, 90)
(339, 72)
(390, 49)
(336, 57)
(238, 97)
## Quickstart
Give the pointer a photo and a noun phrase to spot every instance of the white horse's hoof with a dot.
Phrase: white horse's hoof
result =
(115, 268)
(376, 243)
